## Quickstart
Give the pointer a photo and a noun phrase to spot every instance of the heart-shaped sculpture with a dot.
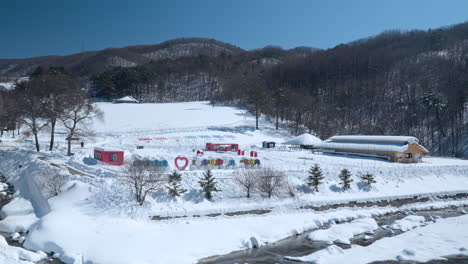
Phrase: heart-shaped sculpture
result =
(178, 164)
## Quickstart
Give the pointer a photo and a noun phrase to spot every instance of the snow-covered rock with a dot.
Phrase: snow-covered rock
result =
(16, 255)
(443, 238)
(408, 222)
(342, 233)
(19, 214)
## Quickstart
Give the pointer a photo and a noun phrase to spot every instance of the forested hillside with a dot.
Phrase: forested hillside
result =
(397, 83)
(412, 83)
(85, 64)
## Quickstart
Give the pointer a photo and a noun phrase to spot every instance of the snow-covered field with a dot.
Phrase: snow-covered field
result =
(107, 226)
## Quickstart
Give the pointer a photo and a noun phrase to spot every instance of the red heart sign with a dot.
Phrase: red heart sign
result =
(179, 166)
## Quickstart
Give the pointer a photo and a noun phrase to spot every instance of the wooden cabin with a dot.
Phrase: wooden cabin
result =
(402, 149)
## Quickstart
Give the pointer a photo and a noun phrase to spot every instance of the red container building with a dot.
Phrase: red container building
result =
(110, 156)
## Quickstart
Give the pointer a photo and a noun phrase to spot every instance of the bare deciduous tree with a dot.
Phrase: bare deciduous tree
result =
(271, 182)
(54, 183)
(142, 180)
(30, 109)
(56, 84)
(247, 179)
(76, 117)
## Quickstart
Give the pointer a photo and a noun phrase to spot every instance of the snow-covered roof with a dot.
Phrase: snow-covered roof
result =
(375, 139)
(363, 146)
(108, 149)
(127, 99)
(371, 143)
(304, 139)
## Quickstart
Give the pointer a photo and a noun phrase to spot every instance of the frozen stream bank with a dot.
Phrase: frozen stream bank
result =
(389, 225)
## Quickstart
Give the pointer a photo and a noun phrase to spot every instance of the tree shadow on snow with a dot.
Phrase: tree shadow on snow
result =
(362, 186)
(235, 130)
(163, 196)
(193, 195)
(335, 188)
(304, 188)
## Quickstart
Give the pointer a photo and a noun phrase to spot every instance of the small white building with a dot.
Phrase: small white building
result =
(306, 141)
(126, 99)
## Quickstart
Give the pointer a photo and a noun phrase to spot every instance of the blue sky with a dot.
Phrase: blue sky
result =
(59, 27)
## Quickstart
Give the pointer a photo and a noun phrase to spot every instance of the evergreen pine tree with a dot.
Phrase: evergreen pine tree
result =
(174, 188)
(368, 179)
(208, 184)
(315, 177)
(345, 177)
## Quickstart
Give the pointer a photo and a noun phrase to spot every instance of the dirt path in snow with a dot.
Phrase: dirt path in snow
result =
(71, 170)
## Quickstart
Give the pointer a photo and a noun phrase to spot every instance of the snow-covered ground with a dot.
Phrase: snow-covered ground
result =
(7, 85)
(102, 217)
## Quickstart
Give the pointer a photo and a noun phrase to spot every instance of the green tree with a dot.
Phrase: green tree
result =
(315, 177)
(174, 188)
(208, 184)
(368, 179)
(345, 177)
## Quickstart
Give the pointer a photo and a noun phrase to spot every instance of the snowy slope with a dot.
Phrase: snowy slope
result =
(121, 118)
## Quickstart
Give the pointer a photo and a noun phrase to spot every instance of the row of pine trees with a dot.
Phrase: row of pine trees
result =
(316, 177)
(207, 184)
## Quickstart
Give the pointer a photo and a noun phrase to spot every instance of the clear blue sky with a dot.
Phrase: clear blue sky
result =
(59, 27)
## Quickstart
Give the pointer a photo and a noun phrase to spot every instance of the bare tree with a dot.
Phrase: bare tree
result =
(76, 118)
(142, 180)
(30, 109)
(247, 179)
(270, 182)
(54, 183)
(257, 94)
(55, 83)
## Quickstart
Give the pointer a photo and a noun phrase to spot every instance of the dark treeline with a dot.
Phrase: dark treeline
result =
(199, 77)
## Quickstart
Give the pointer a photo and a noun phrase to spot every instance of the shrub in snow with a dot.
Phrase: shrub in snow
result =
(345, 178)
(208, 184)
(247, 180)
(315, 177)
(271, 182)
(174, 188)
(54, 182)
(368, 179)
(142, 180)
(290, 187)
